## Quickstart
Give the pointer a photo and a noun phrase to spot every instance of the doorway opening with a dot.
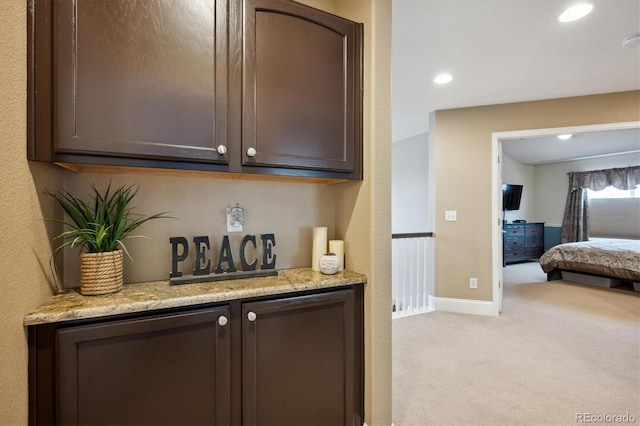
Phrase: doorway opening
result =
(535, 135)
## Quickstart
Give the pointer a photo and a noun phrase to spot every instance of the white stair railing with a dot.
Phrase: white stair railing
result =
(412, 273)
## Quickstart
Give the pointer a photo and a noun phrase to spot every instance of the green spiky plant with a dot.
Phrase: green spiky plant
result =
(103, 224)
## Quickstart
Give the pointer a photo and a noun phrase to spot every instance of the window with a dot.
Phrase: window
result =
(612, 192)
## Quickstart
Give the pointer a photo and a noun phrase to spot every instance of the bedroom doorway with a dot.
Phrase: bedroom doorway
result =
(530, 138)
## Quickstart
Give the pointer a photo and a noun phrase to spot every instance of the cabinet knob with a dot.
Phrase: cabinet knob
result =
(251, 316)
(251, 152)
(222, 320)
(222, 149)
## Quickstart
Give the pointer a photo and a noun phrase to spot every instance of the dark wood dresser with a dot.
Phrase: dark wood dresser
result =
(522, 241)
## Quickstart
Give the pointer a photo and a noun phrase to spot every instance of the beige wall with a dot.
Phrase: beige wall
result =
(358, 212)
(462, 147)
(24, 245)
(517, 173)
(551, 183)
(363, 210)
(288, 210)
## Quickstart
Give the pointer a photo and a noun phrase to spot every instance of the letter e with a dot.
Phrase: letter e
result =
(202, 245)
(268, 258)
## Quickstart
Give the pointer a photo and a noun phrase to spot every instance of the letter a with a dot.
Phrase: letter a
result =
(225, 256)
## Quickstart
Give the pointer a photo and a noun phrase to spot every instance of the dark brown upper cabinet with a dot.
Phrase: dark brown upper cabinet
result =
(243, 86)
(301, 88)
(144, 79)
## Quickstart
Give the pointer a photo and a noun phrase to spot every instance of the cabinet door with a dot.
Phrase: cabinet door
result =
(301, 361)
(163, 370)
(301, 98)
(141, 79)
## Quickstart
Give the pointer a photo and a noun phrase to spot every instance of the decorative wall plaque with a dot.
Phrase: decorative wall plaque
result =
(208, 267)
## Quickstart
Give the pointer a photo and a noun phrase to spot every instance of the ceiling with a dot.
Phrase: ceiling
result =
(502, 51)
(549, 149)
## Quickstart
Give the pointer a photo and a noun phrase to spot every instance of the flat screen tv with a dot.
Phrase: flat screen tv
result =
(511, 195)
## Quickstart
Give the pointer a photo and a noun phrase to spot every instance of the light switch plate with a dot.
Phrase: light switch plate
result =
(450, 215)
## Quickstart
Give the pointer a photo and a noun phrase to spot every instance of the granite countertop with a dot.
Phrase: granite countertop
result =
(149, 296)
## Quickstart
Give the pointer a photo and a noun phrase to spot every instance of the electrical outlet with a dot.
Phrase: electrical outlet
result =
(473, 283)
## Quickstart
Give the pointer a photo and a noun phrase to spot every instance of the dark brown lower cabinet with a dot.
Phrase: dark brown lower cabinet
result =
(298, 361)
(287, 360)
(164, 370)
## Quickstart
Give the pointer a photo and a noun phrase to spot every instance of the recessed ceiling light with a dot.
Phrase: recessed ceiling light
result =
(575, 12)
(565, 137)
(443, 78)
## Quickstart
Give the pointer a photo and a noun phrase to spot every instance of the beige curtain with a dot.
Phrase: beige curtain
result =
(575, 224)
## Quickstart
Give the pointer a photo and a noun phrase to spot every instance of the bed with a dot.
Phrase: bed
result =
(608, 258)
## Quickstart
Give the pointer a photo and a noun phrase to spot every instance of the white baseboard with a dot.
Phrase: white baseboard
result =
(465, 306)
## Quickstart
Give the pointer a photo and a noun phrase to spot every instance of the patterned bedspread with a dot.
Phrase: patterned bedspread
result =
(607, 257)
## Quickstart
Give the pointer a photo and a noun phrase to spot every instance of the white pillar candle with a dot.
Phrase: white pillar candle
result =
(337, 247)
(319, 246)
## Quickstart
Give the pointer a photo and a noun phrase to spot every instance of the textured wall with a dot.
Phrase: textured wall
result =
(462, 143)
(24, 245)
(287, 209)
(520, 174)
(552, 183)
(410, 185)
(363, 209)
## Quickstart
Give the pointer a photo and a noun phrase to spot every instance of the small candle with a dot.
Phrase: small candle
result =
(319, 246)
(337, 247)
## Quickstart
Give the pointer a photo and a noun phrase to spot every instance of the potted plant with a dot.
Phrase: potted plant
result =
(100, 228)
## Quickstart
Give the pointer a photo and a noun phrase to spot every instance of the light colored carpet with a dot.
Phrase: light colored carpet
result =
(557, 350)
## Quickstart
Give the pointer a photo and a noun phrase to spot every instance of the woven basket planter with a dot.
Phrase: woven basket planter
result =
(101, 273)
